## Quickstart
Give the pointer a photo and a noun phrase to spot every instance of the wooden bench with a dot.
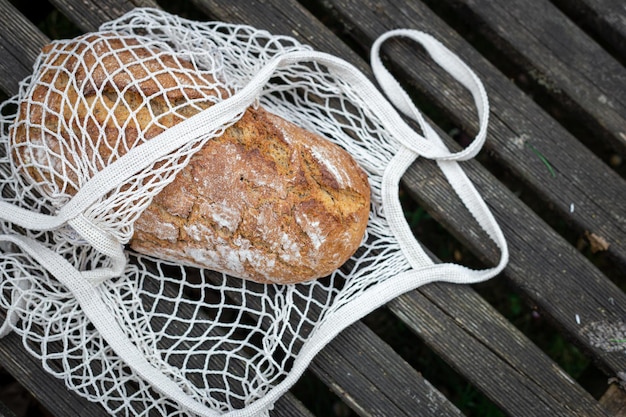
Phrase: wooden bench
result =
(552, 171)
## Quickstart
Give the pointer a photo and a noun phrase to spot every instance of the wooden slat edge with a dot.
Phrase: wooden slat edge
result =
(16, 62)
(580, 76)
(88, 15)
(373, 380)
(602, 18)
(559, 170)
(495, 357)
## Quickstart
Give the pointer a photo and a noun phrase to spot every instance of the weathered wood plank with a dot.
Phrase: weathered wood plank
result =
(16, 64)
(88, 15)
(523, 138)
(585, 81)
(373, 380)
(521, 379)
(553, 274)
(603, 18)
(289, 406)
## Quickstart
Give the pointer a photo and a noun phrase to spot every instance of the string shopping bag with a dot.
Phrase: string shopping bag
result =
(143, 335)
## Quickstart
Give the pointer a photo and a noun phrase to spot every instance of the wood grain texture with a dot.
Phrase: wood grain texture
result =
(493, 355)
(88, 15)
(374, 380)
(569, 66)
(519, 130)
(15, 32)
(544, 267)
(289, 406)
(604, 19)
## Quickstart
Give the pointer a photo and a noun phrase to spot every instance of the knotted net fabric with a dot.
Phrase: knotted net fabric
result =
(145, 336)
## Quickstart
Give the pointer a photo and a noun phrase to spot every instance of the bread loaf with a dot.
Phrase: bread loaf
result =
(266, 201)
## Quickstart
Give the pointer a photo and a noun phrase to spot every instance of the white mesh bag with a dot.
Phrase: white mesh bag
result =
(145, 336)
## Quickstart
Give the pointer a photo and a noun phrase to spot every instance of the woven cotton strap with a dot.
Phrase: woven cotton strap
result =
(455, 67)
(445, 160)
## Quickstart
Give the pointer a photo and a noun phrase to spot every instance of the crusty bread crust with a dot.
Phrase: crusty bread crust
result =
(266, 201)
(75, 98)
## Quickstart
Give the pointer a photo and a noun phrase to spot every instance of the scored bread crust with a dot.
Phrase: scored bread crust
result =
(266, 200)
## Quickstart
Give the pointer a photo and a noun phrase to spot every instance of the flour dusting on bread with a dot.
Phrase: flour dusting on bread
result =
(263, 207)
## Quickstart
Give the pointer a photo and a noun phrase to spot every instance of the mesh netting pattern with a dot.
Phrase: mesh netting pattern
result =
(225, 343)
(224, 340)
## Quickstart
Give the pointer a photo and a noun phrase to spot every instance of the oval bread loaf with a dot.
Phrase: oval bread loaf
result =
(266, 201)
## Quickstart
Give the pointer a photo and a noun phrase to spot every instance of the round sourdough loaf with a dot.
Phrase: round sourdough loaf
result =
(266, 201)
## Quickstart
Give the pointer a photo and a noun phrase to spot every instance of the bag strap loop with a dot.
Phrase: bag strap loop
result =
(447, 163)
(455, 67)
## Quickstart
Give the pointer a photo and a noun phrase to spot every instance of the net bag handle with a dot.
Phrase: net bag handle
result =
(424, 269)
(450, 62)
